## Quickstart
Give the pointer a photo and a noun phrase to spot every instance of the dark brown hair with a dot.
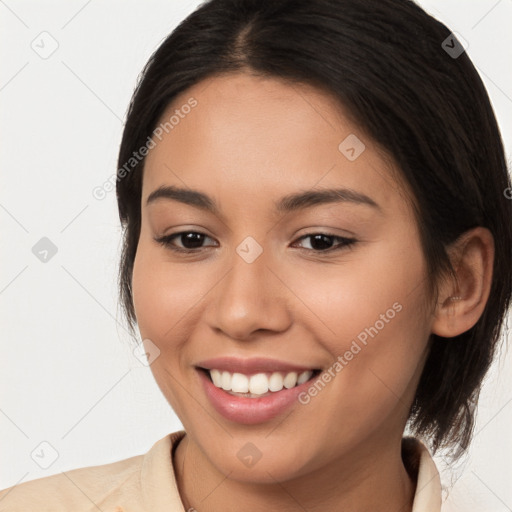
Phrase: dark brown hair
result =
(390, 67)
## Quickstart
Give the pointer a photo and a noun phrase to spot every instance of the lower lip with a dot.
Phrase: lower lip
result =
(250, 411)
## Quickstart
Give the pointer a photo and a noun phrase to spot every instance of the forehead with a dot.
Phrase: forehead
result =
(263, 136)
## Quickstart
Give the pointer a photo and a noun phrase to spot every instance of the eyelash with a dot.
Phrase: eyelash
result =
(166, 241)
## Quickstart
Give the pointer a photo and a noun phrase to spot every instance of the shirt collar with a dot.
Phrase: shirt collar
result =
(419, 463)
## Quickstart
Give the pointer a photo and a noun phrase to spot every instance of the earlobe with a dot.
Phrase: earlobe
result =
(462, 303)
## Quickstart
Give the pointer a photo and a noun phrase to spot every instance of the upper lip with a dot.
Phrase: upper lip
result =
(252, 365)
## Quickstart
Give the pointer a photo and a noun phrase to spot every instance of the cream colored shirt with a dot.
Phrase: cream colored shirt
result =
(146, 483)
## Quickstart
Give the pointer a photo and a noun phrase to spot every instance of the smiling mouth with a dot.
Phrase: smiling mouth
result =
(257, 385)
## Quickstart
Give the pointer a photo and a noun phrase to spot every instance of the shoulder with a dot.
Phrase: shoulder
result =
(79, 488)
(103, 487)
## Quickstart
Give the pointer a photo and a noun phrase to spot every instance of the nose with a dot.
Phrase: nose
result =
(248, 299)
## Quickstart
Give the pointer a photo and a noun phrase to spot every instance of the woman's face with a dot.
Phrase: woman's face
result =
(258, 283)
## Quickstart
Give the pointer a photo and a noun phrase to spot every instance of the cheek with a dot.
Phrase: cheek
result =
(378, 327)
(345, 297)
(163, 293)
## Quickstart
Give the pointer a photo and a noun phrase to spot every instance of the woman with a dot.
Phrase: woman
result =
(317, 254)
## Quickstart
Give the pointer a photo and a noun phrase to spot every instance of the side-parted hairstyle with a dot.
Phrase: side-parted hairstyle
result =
(397, 73)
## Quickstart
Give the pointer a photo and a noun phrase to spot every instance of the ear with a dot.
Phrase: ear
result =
(461, 303)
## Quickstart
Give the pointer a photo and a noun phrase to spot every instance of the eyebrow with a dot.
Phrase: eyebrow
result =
(288, 203)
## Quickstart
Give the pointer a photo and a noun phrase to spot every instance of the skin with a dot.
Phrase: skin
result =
(248, 142)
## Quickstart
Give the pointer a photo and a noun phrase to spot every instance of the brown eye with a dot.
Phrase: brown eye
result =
(190, 241)
(323, 242)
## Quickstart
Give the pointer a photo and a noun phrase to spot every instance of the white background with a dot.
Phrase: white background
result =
(68, 375)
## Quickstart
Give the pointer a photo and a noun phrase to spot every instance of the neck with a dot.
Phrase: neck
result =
(371, 477)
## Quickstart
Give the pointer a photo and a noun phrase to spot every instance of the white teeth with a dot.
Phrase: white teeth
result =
(259, 383)
(216, 377)
(240, 383)
(303, 377)
(275, 383)
(290, 380)
(225, 382)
